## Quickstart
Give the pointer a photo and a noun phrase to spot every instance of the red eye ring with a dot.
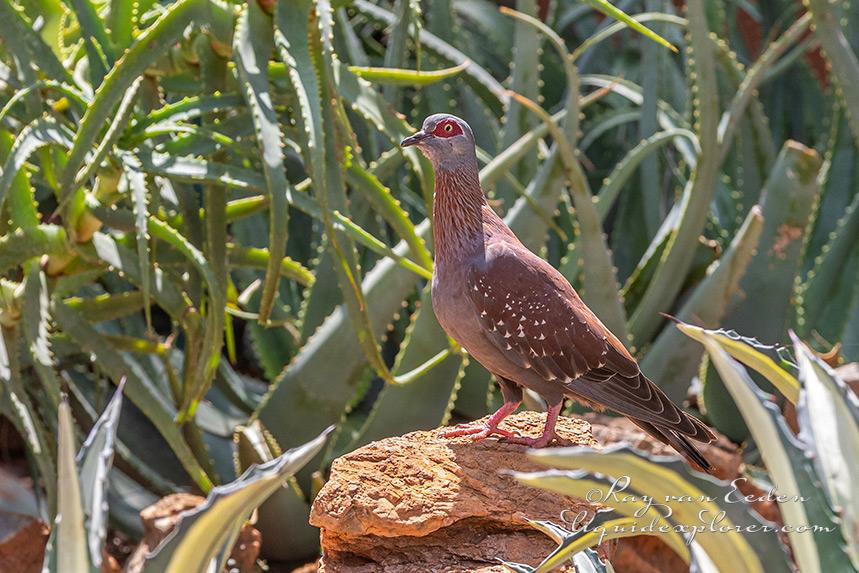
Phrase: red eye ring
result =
(447, 128)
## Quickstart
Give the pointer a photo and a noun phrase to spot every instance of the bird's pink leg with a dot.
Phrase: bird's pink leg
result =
(486, 429)
(548, 431)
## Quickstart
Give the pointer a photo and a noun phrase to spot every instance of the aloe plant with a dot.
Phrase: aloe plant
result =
(77, 538)
(207, 198)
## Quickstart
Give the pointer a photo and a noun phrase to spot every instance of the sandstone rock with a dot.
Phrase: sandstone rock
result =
(420, 502)
(160, 518)
(22, 543)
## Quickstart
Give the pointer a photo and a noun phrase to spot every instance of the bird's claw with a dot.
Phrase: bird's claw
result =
(477, 431)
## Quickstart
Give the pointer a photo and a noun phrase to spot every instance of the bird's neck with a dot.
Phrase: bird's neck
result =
(457, 213)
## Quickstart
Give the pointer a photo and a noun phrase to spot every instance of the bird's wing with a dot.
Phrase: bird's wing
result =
(529, 311)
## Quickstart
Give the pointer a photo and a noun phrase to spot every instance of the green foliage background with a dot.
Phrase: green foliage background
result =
(208, 199)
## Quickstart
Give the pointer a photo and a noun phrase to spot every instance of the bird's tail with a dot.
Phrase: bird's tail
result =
(682, 444)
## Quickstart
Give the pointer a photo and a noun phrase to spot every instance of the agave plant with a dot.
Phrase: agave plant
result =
(76, 543)
(162, 161)
(707, 523)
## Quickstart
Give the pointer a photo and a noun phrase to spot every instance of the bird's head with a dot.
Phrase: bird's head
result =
(446, 140)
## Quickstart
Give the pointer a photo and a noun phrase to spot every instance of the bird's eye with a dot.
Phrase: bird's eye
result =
(447, 128)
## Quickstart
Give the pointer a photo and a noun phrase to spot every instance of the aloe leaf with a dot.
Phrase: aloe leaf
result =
(189, 108)
(407, 14)
(388, 207)
(107, 307)
(524, 80)
(286, 512)
(478, 78)
(252, 45)
(219, 324)
(139, 389)
(121, 22)
(150, 45)
(36, 322)
(579, 483)
(422, 404)
(326, 174)
(789, 468)
(822, 281)
(137, 185)
(24, 244)
(613, 12)
(191, 170)
(402, 77)
(589, 561)
(114, 130)
(41, 132)
(666, 115)
(369, 104)
(743, 350)
(622, 172)
(850, 334)
(789, 197)
(343, 223)
(843, 61)
(20, 203)
(829, 411)
(69, 92)
(94, 460)
(650, 196)
(586, 561)
(69, 543)
(755, 76)
(16, 405)
(694, 206)
(211, 528)
(673, 359)
(502, 163)
(23, 38)
(98, 47)
(210, 348)
(164, 292)
(618, 26)
(258, 259)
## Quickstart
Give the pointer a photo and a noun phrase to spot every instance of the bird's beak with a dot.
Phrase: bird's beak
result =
(414, 139)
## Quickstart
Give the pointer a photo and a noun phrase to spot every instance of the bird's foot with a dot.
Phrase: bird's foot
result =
(476, 431)
(540, 442)
(548, 431)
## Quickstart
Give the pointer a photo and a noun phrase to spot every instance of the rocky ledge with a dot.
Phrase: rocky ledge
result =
(421, 502)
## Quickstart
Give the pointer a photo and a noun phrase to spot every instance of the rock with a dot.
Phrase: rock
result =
(160, 518)
(22, 543)
(420, 502)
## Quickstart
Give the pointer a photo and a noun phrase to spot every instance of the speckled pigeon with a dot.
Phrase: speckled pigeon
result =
(521, 319)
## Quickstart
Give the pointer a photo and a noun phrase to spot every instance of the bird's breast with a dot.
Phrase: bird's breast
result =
(449, 301)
